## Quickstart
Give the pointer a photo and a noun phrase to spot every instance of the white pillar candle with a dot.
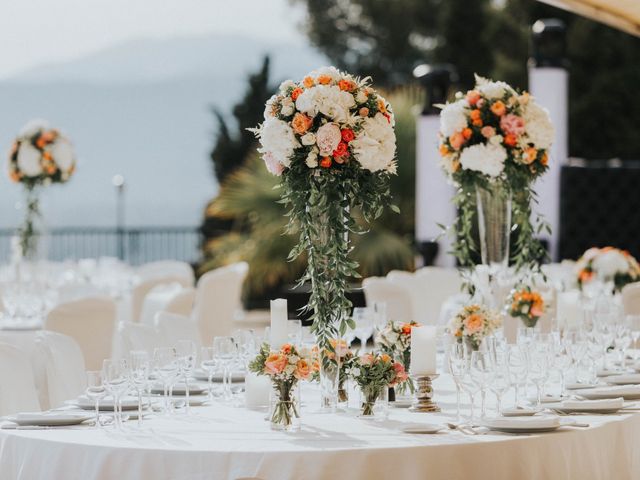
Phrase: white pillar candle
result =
(256, 390)
(423, 350)
(569, 312)
(279, 323)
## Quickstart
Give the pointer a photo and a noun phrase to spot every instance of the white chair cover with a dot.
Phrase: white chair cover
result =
(91, 323)
(17, 387)
(172, 328)
(157, 300)
(63, 363)
(219, 300)
(398, 300)
(631, 298)
(141, 290)
(167, 268)
(182, 303)
(435, 285)
(137, 336)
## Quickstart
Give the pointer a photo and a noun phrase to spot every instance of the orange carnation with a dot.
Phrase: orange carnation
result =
(499, 108)
(466, 133)
(475, 114)
(472, 97)
(346, 85)
(308, 82)
(325, 162)
(324, 79)
(510, 140)
(301, 123)
(296, 93)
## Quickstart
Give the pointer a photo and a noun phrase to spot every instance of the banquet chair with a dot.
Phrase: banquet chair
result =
(631, 298)
(182, 303)
(141, 290)
(219, 300)
(91, 322)
(137, 336)
(17, 386)
(157, 299)
(172, 328)
(167, 268)
(397, 299)
(412, 285)
(435, 286)
(60, 357)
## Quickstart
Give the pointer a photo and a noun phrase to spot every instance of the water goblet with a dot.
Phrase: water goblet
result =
(166, 367)
(208, 364)
(186, 352)
(363, 320)
(139, 373)
(95, 391)
(518, 368)
(457, 366)
(481, 369)
(225, 353)
(116, 377)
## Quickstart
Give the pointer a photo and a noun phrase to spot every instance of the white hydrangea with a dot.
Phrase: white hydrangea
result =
(328, 100)
(32, 127)
(284, 86)
(453, 117)
(492, 89)
(29, 158)
(538, 127)
(608, 263)
(330, 71)
(278, 139)
(62, 153)
(487, 159)
(375, 145)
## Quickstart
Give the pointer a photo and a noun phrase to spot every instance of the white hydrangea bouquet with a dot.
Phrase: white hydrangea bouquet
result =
(39, 156)
(497, 139)
(607, 265)
(331, 139)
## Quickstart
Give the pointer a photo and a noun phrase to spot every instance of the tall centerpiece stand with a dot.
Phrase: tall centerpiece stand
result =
(330, 137)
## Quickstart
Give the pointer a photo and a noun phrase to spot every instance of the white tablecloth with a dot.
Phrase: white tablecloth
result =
(221, 442)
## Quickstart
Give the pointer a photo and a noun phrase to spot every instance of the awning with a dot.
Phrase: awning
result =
(621, 14)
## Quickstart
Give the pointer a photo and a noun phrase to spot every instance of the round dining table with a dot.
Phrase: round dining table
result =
(222, 441)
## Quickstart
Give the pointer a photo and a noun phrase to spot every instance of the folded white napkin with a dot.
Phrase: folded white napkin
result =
(524, 422)
(605, 403)
(624, 379)
(616, 390)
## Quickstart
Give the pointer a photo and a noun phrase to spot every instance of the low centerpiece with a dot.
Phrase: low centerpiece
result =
(607, 265)
(395, 340)
(527, 305)
(286, 367)
(494, 143)
(39, 156)
(473, 323)
(331, 139)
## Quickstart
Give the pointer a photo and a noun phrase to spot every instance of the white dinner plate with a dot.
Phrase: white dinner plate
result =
(579, 386)
(596, 411)
(50, 419)
(401, 403)
(524, 425)
(520, 412)
(106, 404)
(181, 389)
(236, 377)
(422, 428)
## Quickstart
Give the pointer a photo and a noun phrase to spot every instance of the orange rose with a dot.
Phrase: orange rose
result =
(50, 169)
(585, 276)
(363, 112)
(472, 97)
(381, 106)
(275, 364)
(477, 123)
(324, 79)
(499, 108)
(545, 159)
(286, 348)
(296, 93)
(346, 85)
(301, 123)
(473, 323)
(385, 358)
(466, 133)
(444, 150)
(530, 155)
(47, 156)
(406, 328)
(456, 140)
(308, 82)
(46, 138)
(326, 162)
(303, 370)
(510, 140)
(475, 114)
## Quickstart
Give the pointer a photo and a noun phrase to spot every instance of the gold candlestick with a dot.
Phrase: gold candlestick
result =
(424, 394)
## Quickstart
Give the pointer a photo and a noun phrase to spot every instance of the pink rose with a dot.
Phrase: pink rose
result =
(273, 165)
(488, 132)
(275, 364)
(401, 374)
(512, 124)
(328, 137)
(366, 359)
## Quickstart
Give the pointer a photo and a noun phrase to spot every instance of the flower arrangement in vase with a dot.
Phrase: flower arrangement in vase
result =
(331, 139)
(286, 367)
(607, 265)
(527, 305)
(39, 156)
(473, 323)
(395, 340)
(494, 144)
(375, 373)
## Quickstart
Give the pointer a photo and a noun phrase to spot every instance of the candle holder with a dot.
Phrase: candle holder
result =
(424, 394)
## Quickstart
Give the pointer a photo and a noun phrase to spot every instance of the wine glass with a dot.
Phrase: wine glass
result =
(518, 367)
(186, 352)
(95, 391)
(500, 382)
(363, 320)
(634, 325)
(225, 352)
(139, 372)
(481, 369)
(208, 364)
(115, 376)
(457, 365)
(538, 369)
(166, 367)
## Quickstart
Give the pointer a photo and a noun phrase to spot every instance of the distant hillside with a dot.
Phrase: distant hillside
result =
(141, 109)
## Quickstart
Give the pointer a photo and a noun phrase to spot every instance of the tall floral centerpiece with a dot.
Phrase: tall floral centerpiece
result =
(494, 144)
(473, 323)
(331, 139)
(527, 305)
(39, 157)
(607, 265)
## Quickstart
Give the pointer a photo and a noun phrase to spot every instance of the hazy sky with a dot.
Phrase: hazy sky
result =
(35, 32)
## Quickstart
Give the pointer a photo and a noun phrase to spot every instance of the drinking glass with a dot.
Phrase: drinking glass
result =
(208, 364)
(481, 369)
(363, 320)
(165, 363)
(470, 385)
(538, 369)
(457, 365)
(95, 391)
(518, 367)
(622, 341)
(116, 378)
(186, 352)
(139, 373)
(500, 383)
(225, 351)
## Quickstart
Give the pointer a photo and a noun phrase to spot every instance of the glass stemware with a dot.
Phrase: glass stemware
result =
(208, 364)
(166, 367)
(538, 369)
(139, 372)
(186, 352)
(518, 369)
(95, 391)
(363, 320)
(116, 378)
(225, 353)
(457, 366)
(481, 368)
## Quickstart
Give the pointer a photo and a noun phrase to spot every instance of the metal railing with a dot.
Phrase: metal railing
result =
(133, 245)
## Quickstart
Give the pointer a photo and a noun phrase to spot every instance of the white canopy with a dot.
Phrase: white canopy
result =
(621, 14)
